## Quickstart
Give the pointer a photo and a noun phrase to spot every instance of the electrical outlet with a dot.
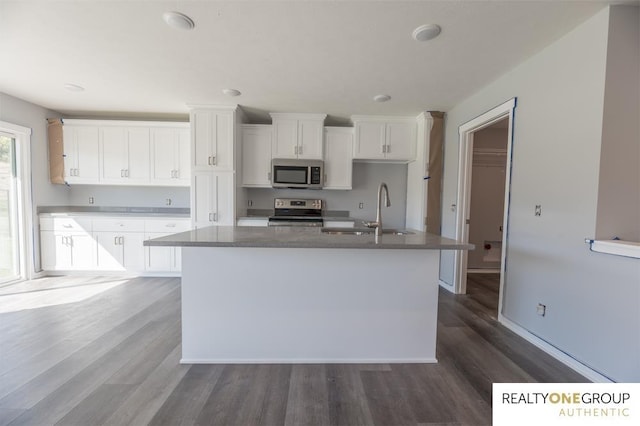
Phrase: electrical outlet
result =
(91, 200)
(538, 210)
(541, 309)
(168, 202)
(249, 203)
(361, 206)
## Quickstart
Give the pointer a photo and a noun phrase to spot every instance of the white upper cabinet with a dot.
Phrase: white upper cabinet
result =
(124, 154)
(170, 159)
(256, 155)
(81, 154)
(213, 139)
(338, 154)
(116, 152)
(297, 135)
(384, 138)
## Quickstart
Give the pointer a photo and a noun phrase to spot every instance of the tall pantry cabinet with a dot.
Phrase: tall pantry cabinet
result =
(213, 159)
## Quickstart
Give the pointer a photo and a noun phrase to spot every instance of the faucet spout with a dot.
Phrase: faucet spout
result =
(382, 190)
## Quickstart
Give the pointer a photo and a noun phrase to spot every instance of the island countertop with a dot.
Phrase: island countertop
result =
(302, 237)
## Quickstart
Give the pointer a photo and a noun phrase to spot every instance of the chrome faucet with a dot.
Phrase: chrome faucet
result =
(378, 223)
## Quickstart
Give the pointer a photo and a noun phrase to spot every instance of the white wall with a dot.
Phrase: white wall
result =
(593, 300)
(619, 187)
(128, 196)
(366, 178)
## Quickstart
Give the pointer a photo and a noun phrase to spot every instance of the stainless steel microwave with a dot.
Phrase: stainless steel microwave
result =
(289, 173)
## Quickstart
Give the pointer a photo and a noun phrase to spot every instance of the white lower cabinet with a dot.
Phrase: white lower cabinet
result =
(63, 251)
(93, 243)
(212, 202)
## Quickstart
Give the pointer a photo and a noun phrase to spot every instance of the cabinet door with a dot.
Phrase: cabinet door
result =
(310, 134)
(212, 140)
(83, 252)
(369, 140)
(163, 153)
(55, 251)
(113, 148)
(401, 141)
(285, 138)
(256, 157)
(81, 154)
(159, 259)
(212, 199)
(183, 160)
(133, 251)
(110, 254)
(138, 155)
(338, 163)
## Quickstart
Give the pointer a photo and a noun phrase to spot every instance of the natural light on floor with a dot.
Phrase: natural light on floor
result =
(52, 291)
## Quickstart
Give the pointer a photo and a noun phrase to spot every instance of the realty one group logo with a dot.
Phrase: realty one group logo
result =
(550, 404)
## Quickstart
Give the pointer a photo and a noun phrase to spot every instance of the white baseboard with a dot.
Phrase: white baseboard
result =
(564, 358)
(309, 361)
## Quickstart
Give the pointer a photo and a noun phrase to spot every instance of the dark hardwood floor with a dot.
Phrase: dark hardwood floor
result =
(103, 350)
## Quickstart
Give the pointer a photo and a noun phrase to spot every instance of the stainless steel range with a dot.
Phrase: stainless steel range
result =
(296, 212)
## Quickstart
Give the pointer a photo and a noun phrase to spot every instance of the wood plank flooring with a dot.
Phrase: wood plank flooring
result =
(105, 351)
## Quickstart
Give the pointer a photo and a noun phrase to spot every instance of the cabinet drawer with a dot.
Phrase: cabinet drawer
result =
(167, 226)
(66, 224)
(118, 225)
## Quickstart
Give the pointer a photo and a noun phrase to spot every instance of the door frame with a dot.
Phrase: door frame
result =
(22, 136)
(463, 202)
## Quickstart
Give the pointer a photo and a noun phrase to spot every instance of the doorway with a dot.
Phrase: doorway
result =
(16, 241)
(491, 244)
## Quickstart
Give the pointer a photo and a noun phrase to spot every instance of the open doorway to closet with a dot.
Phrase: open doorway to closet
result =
(482, 209)
(486, 214)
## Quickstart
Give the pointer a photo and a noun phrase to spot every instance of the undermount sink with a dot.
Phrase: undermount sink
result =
(363, 231)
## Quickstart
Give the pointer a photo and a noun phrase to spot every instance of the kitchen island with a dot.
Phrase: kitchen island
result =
(300, 295)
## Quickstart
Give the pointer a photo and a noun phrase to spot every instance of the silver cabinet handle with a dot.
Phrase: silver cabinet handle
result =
(170, 225)
(269, 176)
(213, 160)
(70, 241)
(121, 172)
(126, 172)
(215, 217)
(388, 149)
(384, 149)
(209, 160)
(300, 150)
(210, 217)
(121, 240)
(295, 150)
(115, 241)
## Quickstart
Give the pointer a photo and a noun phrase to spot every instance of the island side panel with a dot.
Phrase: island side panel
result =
(260, 305)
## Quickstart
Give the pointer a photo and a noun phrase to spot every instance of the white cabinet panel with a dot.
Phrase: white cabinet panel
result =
(81, 152)
(297, 135)
(384, 138)
(212, 199)
(310, 139)
(213, 139)
(120, 251)
(256, 156)
(170, 157)
(338, 155)
(124, 155)
(285, 138)
(159, 258)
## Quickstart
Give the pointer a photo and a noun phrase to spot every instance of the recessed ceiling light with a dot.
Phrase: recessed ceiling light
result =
(231, 92)
(426, 32)
(381, 98)
(73, 87)
(178, 20)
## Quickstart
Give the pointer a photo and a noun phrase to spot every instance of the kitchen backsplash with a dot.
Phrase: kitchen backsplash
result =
(366, 178)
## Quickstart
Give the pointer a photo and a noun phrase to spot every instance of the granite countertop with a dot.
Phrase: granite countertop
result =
(301, 237)
(177, 212)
